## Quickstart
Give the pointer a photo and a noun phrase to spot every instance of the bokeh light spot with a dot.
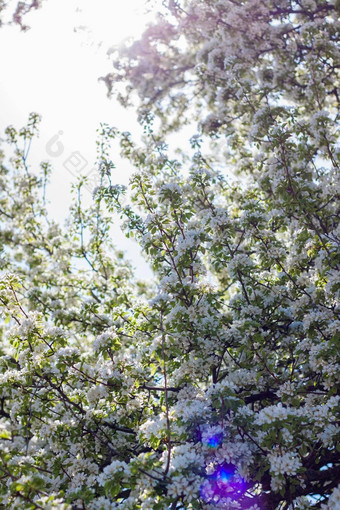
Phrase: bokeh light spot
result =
(224, 482)
(214, 441)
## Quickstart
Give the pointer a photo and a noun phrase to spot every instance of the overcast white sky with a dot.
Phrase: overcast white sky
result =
(53, 70)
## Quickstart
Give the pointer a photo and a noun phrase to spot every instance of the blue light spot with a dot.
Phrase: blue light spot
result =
(225, 475)
(225, 482)
(214, 441)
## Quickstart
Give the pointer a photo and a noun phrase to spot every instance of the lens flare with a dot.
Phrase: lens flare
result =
(211, 436)
(224, 482)
(224, 475)
(214, 441)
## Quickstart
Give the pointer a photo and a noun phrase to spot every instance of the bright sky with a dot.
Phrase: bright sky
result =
(53, 70)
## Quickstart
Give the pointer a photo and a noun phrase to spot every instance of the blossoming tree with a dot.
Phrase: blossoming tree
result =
(17, 15)
(216, 386)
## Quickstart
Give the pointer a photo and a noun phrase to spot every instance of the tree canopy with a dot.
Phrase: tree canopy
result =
(216, 386)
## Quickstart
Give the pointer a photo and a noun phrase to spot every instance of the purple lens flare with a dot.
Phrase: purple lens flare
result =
(224, 482)
(211, 436)
(214, 441)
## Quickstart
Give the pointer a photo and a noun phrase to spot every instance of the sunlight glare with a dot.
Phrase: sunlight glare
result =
(109, 22)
